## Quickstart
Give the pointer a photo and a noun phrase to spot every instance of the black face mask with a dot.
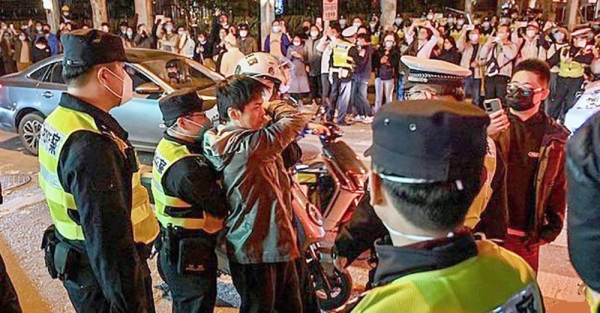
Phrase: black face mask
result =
(519, 98)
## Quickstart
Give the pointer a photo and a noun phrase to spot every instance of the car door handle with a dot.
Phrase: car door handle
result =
(48, 94)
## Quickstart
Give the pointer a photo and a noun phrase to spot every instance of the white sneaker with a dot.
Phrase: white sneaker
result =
(367, 120)
(359, 118)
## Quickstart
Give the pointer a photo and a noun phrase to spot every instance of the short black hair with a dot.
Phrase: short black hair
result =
(236, 92)
(537, 66)
(78, 76)
(433, 206)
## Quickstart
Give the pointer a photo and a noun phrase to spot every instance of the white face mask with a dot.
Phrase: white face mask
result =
(105, 29)
(389, 44)
(396, 233)
(129, 33)
(243, 33)
(38, 28)
(127, 89)
(314, 34)
(398, 21)
(530, 33)
(296, 43)
(474, 37)
(450, 20)
(342, 22)
(460, 22)
(430, 17)
(168, 28)
(276, 29)
(181, 33)
(486, 24)
(357, 24)
(22, 38)
(202, 40)
(559, 36)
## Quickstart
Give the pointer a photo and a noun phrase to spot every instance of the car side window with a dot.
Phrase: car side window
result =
(137, 77)
(55, 74)
(40, 73)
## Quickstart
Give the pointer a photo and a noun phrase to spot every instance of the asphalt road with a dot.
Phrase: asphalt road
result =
(24, 216)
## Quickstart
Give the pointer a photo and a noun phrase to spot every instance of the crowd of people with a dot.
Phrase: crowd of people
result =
(489, 46)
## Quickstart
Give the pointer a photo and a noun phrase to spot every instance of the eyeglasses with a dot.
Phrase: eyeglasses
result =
(527, 91)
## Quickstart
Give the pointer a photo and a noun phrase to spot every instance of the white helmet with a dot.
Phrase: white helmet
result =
(265, 65)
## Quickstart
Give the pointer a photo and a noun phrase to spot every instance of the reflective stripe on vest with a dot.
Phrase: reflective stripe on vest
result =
(168, 153)
(496, 280)
(569, 69)
(341, 58)
(59, 125)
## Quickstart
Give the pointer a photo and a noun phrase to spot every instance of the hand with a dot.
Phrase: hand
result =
(474, 64)
(318, 129)
(498, 123)
(362, 52)
(30, 23)
(213, 224)
(340, 263)
(217, 12)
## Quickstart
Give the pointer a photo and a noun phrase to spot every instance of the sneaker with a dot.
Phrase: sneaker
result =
(367, 120)
(359, 118)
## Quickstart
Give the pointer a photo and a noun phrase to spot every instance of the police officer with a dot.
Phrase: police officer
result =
(583, 183)
(189, 204)
(434, 80)
(103, 226)
(342, 67)
(571, 61)
(422, 195)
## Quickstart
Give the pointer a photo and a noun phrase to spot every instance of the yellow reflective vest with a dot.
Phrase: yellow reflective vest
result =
(168, 153)
(341, 56)
(593, 299)
(495, 279)
(57, 129)
(571, 69)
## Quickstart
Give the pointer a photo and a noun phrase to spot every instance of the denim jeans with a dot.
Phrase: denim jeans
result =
(383, 88)
(359, 103)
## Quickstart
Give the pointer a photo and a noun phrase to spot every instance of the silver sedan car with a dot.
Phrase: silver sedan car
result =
(26, 98)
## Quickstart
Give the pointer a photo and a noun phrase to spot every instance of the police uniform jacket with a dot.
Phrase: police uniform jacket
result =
(93, 169)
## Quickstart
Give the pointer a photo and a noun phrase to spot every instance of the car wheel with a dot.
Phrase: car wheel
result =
(30, 128)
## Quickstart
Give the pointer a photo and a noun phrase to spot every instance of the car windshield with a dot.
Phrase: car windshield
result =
(178, 72)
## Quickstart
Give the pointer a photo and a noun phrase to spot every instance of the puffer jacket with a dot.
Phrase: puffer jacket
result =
(260, 226)
(550, 181)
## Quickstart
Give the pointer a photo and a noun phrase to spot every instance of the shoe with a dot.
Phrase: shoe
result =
(367, 120)
(359, 118)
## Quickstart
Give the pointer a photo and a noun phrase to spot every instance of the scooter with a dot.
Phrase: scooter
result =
(324, 196)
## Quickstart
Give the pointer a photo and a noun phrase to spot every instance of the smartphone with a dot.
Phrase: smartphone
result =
(492, 105)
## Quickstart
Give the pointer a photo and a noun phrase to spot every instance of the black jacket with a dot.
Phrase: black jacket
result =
(99, 176)
(583, 174)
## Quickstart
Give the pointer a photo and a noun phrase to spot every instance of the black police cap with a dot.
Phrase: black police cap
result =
(429, 140)
(181, 103)
(89, 47)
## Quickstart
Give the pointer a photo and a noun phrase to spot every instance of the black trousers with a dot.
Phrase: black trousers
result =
(564, 98)
(86, 295)
(315, 87)
(267, 287)
(495, 87)
(191, 292)
(9, 302)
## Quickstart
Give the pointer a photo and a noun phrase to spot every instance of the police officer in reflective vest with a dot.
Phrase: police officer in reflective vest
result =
(189, 204)
(342, 66)
(571, 61)
(430, 262)
(103, 226)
